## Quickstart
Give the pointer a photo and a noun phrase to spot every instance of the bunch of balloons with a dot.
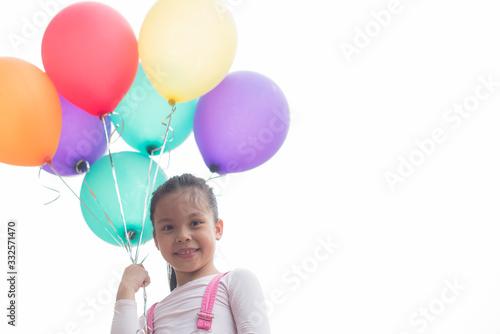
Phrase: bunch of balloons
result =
(61, 119)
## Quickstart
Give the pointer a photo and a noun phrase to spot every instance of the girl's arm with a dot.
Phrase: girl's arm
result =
(125, 317)
(247, 303)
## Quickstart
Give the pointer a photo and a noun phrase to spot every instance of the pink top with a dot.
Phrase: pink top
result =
(239, 308)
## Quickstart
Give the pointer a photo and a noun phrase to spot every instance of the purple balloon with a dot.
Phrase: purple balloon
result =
(82, 140)
(241, 123)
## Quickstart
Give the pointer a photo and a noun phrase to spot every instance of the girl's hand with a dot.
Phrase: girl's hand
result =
(134, 277)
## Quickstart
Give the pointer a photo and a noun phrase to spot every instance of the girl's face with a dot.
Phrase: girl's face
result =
(185, 233)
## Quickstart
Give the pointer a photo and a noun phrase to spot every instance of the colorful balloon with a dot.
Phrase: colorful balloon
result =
(82, 141)
(142, 112)
(30, 114)
(241, 123)
(90, 52)
(132, 170)
(187, 47)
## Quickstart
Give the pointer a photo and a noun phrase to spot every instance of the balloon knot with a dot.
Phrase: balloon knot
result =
(101, 117)
(214, 168)
(171, 102)
(151, 149)
(82, 166)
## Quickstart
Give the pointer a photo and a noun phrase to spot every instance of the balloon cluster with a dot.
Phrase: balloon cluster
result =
(61, 120)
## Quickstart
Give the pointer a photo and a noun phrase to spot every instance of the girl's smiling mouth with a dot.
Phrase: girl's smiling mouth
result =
(186, 252)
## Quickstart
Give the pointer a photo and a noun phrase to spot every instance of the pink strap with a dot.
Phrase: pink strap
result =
(205, 316)
(150, 317)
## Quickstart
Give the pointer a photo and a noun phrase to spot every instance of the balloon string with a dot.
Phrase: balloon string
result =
(145, 209)
(83, 203)
(129, 244)
(57, 191)
(146, 199)
(123, 215)
(168, 162)
(212, 177)
(107, 217)
(118, 126)
(146, 327)
(169, 117)
(148, 191)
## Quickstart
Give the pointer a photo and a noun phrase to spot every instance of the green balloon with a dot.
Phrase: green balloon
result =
(132, 171)
(141, 113)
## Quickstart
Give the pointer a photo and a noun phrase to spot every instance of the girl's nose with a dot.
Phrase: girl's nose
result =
(183, 236)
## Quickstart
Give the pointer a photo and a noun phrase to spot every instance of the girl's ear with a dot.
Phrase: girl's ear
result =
(219, 228)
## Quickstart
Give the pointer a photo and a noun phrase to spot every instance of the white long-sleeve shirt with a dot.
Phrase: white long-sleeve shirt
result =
(239, 308)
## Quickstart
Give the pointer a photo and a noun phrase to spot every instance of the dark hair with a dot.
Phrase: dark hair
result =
(197, 186)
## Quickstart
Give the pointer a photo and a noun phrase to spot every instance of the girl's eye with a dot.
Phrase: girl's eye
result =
(196, 223)
(168, 227)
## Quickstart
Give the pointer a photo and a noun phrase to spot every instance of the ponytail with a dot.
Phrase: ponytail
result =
(171, 277)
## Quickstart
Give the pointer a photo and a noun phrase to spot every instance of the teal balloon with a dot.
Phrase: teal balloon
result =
(142, 112)
(132, 170)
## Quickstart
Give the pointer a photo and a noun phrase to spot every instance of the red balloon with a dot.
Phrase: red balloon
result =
(89, 50)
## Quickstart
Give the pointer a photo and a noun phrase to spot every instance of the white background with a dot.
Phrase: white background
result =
(352, 122)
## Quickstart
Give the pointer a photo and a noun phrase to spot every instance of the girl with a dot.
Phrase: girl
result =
(186, 226)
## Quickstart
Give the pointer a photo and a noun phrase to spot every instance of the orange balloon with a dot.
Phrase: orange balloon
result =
(30, 114)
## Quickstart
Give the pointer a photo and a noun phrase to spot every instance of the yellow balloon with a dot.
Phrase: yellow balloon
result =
(187, 47)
